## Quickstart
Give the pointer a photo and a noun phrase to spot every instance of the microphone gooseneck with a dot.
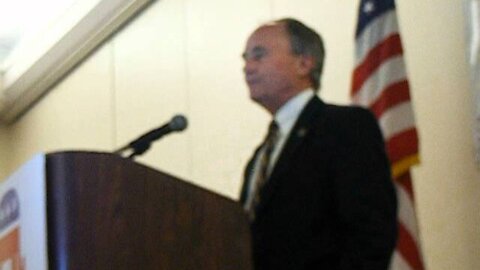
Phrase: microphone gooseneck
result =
(142, 143)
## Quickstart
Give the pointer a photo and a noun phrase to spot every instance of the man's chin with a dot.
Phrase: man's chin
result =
(260, 100)
(255, 97)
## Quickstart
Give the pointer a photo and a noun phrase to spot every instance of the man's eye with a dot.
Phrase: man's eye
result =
(256, 55)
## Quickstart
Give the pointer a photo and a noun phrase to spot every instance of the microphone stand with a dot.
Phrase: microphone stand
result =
(138, 148)
(143, 143)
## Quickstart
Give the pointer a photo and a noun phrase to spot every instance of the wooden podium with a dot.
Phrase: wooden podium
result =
(107, 212)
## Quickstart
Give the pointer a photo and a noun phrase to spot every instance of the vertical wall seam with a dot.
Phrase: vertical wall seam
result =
(113, 90)
(188, 98)
(272, 9)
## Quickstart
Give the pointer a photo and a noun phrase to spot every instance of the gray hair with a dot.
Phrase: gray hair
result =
(305, 41)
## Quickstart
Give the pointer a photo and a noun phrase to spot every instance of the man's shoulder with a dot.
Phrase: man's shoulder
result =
(346, 121)
(347, 110)
(345, 114)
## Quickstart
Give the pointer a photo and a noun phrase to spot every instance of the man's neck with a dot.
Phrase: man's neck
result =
(273, 108)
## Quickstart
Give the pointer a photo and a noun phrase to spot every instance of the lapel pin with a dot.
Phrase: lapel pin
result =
(302, 132)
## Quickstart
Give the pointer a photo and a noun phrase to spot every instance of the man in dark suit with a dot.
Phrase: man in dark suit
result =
(318, 190)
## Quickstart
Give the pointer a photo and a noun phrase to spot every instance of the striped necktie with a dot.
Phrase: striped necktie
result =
(263, 171)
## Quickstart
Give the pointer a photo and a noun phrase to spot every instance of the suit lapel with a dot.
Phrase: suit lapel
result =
(247, 176)
(311, 114)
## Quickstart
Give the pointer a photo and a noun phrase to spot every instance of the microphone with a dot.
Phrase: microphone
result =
(142, 143)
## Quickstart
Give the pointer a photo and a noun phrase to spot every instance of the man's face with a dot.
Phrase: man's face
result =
(270, 67)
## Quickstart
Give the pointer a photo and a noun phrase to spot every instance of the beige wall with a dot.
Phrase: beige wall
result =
(448, 181)
(183, 56)
(4, 149)
(4, 153)
(77, 114)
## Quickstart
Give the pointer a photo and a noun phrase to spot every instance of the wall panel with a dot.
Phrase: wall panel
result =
(5, 153)
(448, 180)
(76, 114)
(226, 125)
(151, 84)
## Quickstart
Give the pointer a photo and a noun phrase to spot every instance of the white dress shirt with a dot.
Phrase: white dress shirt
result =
(285, 117)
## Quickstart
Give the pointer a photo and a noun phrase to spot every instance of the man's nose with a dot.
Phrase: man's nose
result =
(249, 67)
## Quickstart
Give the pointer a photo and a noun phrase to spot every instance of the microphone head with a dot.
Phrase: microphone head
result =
(178, 123)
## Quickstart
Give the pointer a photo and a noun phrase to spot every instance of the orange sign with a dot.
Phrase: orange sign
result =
(10, 257)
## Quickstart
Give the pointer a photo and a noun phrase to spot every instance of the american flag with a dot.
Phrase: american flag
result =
(380, 83)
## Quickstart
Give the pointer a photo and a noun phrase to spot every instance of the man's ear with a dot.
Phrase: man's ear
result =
(304, 65)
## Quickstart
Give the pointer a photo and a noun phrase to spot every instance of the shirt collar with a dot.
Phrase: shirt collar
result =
(287, 115)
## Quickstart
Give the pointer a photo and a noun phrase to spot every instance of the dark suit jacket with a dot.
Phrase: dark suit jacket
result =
(329, 202)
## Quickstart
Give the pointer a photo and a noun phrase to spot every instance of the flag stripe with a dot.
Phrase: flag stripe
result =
(405, 181)
(393, 95)
(402, 145)
(391, 71)
(407, 246)
(406, 211)
(378, 30)
(389, 47)
(398, 262)
(396, 120)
